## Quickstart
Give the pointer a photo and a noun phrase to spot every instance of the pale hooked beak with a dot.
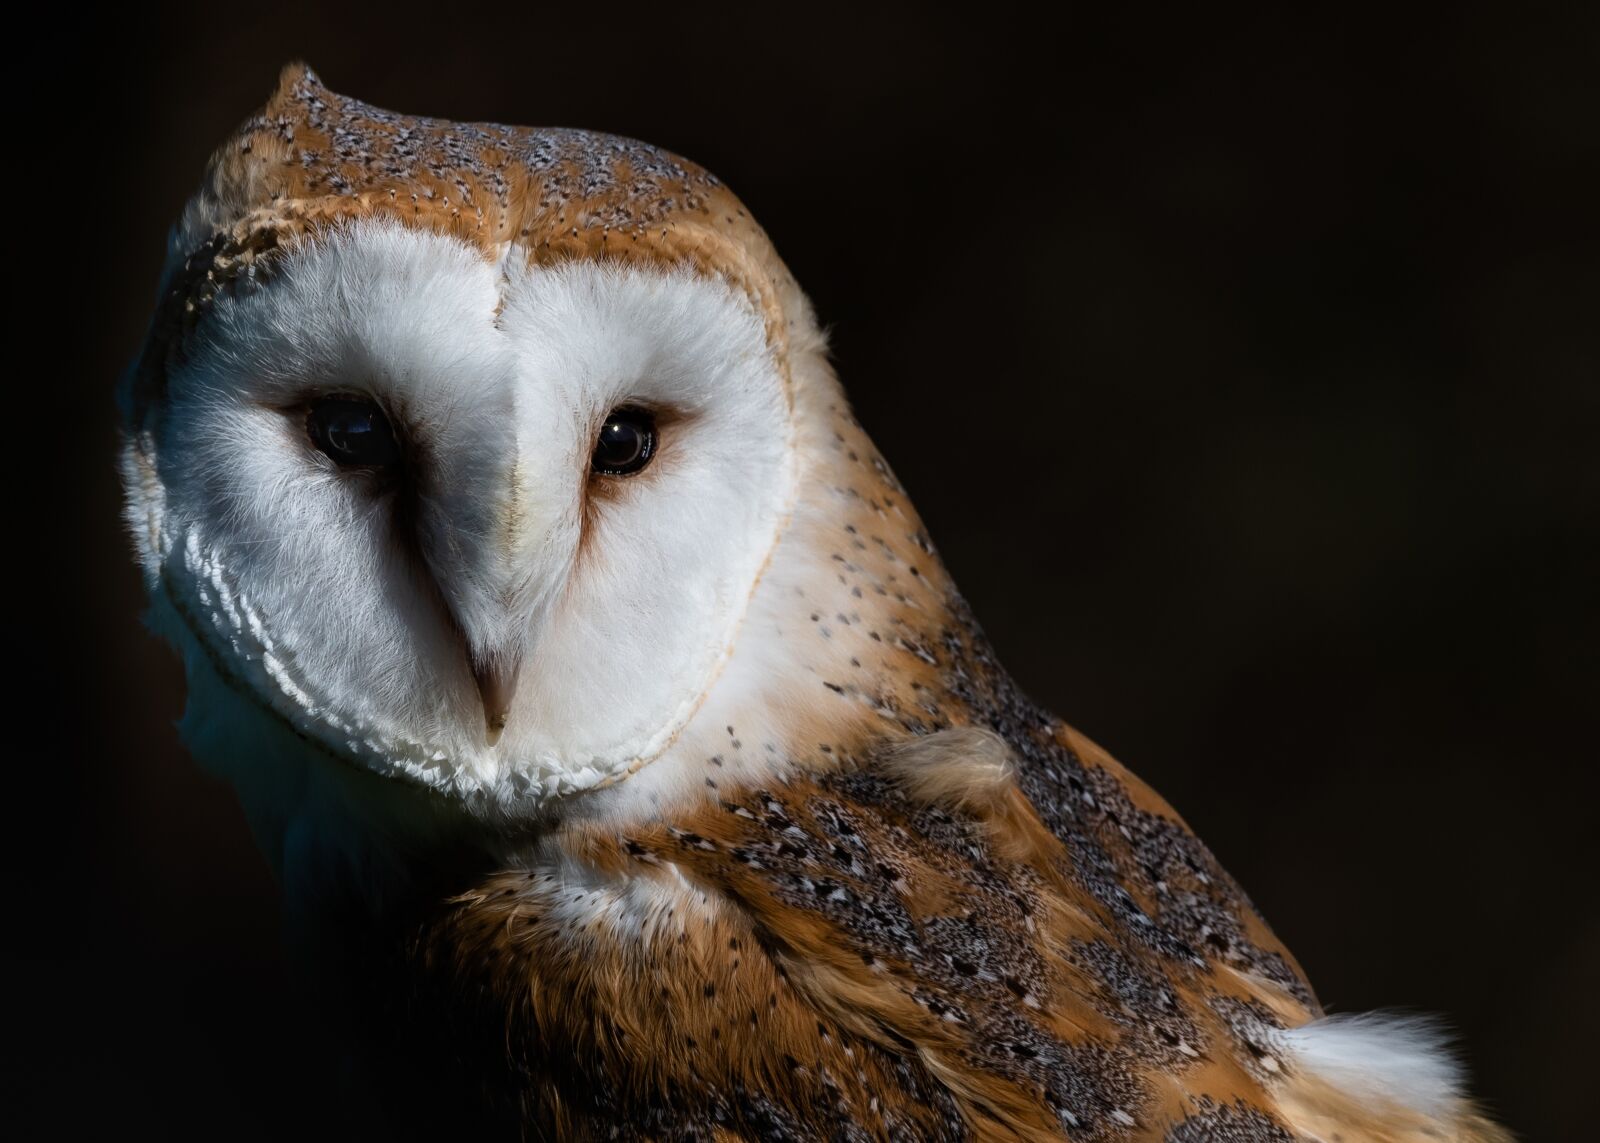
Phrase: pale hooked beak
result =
(496, 676)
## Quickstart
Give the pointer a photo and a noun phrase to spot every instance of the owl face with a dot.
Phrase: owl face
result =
(477, 523)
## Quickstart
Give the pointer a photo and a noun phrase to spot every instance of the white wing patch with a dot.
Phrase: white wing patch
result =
(1380, 1061)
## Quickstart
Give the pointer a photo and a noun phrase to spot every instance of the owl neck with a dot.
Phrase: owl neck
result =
(813, 688)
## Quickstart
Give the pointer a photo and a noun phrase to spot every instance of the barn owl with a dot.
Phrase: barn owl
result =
(534, 583)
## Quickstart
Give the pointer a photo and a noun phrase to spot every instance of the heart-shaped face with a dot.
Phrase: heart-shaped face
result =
(506, 462)
(476, 523)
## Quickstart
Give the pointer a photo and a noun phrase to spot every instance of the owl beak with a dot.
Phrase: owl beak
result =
(497, 685)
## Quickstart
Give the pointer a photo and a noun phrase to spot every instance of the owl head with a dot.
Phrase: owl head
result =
(508, 464)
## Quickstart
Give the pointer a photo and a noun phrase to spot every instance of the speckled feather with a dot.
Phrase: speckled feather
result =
(312, 158)
(830, 943)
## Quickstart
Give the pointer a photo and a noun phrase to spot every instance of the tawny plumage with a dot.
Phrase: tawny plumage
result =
(771, 846)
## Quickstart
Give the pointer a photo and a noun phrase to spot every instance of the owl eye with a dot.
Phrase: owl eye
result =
(353, 432)
(626, 443)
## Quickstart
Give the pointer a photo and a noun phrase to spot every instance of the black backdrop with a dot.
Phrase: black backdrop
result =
(1244, 368)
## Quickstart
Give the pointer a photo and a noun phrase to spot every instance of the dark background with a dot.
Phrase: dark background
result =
(1244, 368)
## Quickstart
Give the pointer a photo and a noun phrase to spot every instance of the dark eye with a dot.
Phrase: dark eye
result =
(355, 433)
(627, 442)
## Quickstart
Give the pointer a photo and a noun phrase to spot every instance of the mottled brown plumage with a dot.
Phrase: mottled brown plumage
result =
(929, 910)
(854, 960)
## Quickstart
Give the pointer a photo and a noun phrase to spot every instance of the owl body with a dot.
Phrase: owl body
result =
(542, 598)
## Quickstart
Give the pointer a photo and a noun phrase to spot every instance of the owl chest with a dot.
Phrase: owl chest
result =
(600, 1008)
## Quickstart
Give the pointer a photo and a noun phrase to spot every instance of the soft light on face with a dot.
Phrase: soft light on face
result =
(489, 527)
